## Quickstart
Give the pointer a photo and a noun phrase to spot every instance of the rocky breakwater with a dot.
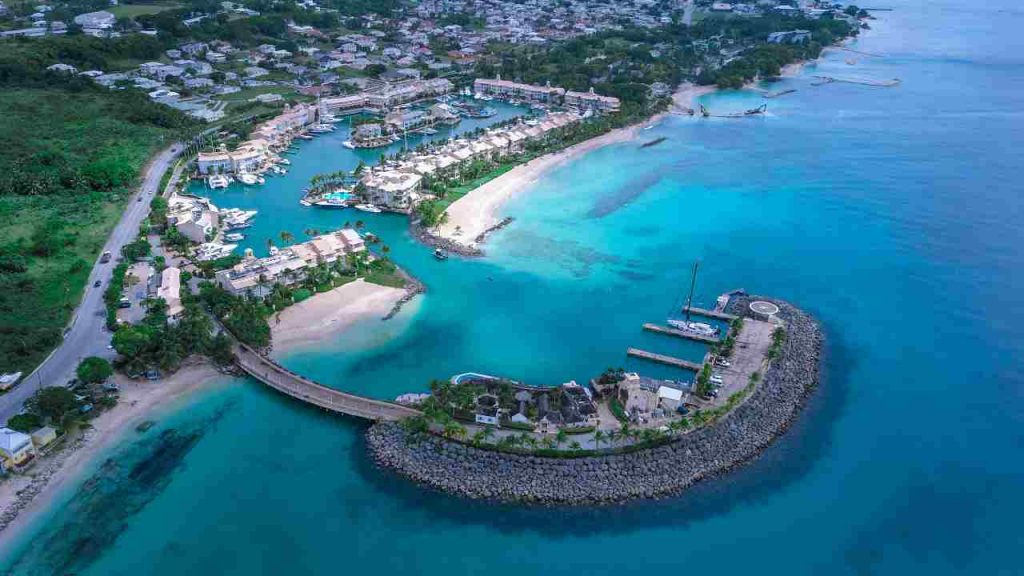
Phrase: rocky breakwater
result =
(660, 471)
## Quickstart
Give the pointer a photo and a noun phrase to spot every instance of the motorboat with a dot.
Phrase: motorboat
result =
(367, 208)
(217, 181)
(695, 328)
(349, 144)
(440, 254)
(214, 250)
(248, 179)
(234, 237)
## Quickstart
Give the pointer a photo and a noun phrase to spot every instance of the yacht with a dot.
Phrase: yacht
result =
(695, 328)
(349, 144)
(687, 325)
(217, 181)
(234, 237)
(286, 161)
(305, 202)
(214, 250)
(248, 179)
(440, 254)
(367, 208)
(332, 203)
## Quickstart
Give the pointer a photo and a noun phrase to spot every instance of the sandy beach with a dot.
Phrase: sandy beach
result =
(478, 211)
(330, 312)
(24, 496)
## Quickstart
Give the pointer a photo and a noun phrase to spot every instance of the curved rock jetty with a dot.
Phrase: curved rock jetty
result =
(651, 473)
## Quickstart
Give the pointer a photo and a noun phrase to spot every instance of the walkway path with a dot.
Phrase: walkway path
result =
(283, 380)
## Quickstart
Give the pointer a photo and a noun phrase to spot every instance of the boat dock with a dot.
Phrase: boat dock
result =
(679, 333)
(663, 359)
(709, 313)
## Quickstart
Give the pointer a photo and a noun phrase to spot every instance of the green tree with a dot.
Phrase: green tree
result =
(55, 404)
(94, 370)
(25, 422)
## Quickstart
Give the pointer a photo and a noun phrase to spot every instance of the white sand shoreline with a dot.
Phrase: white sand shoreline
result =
(26, 496)
(477, 211)
(328, 313)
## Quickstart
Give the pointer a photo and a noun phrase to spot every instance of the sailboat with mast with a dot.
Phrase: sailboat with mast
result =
(688, 325)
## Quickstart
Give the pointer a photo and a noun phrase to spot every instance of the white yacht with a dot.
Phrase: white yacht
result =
(367, 208)
(217, 181)
(214, 250)
(248, 179)
(234, 237)
(695, 328)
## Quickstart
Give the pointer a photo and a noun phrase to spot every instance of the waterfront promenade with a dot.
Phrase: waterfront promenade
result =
(301, 388)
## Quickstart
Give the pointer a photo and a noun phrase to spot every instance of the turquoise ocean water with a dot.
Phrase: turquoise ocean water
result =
(891, 214)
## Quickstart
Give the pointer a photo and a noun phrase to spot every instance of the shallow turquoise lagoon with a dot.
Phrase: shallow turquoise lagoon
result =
(894, 215)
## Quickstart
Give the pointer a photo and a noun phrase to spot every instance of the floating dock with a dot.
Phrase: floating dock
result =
(662, 359)
(679, 333)
(709, 313)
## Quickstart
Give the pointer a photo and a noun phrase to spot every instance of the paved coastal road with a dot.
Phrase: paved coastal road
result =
(88, 335)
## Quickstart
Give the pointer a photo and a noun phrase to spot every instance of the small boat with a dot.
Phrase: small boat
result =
(349, 144)
(305, 202)
(440, 254)
(217, 181)
(248, 179)
(304, 137)
(261, 180)
(234, 237)
(428, 131)
(286, 161)
(367, 208)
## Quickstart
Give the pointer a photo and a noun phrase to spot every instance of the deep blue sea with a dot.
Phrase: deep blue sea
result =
(892, 214)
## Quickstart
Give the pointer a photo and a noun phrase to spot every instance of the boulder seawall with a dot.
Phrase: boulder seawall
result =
(661, 471)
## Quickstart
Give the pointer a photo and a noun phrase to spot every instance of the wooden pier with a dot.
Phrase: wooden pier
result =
(709, 313)
(663, 359)
(680, 333)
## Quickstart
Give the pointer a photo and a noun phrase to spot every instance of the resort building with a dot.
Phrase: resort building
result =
(16, 448)
(645, 398)
(391, 95)
(398, 186)
(256, 277)
(507, 90)
(591, 101)
(393, 189)
(170, 292)
(250, 156)
(195, 218)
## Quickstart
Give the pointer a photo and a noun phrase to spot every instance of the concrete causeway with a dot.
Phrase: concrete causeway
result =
(301, 388)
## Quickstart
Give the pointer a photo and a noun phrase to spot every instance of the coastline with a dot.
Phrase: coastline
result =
(474, 216)
(23, 497)
(662, 471)
(329, 313)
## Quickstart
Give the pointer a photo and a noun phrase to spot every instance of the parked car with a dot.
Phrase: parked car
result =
(97, 283)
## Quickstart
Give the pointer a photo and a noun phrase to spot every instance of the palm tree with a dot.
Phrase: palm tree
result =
(599, 437)
(287, 237)
(560, 437)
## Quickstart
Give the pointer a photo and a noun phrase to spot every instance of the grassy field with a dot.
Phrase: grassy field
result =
(133, 10)
(51, 232)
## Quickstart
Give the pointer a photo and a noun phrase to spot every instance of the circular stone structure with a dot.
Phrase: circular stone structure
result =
(763, 310)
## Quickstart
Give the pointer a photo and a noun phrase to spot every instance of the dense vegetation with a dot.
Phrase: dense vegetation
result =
(72, 152)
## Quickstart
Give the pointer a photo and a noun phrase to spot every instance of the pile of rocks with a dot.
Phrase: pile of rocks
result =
(656, 472)
(434, 241)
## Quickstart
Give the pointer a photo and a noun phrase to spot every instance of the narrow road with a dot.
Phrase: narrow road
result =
(688, 8)
(88, 335)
